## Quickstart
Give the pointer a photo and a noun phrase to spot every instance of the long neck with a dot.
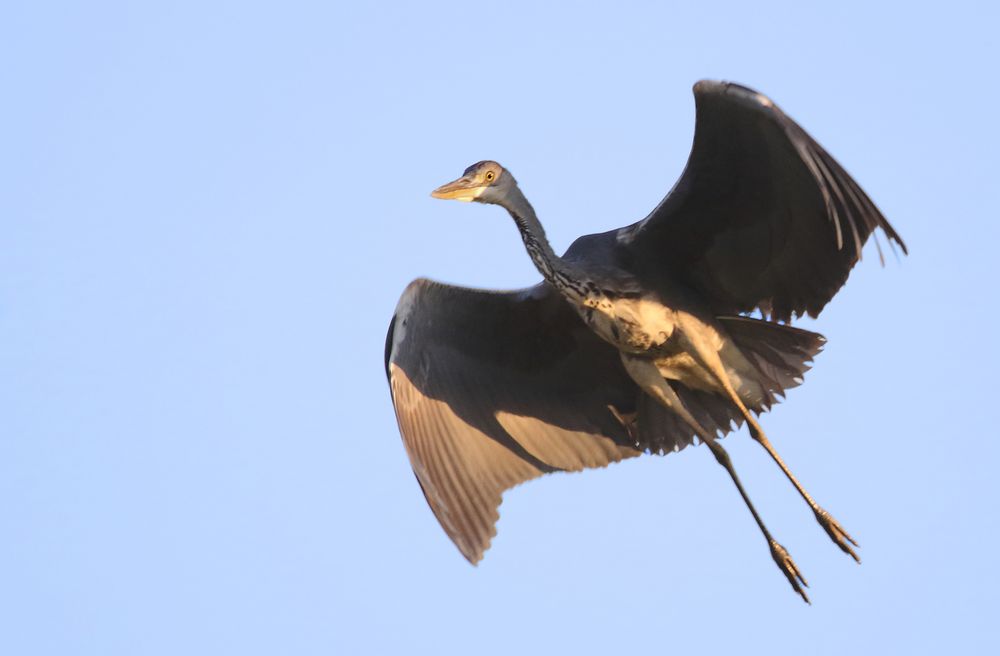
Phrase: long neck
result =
(560, 274)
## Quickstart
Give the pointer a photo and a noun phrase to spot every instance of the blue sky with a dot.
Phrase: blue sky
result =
(210, 210)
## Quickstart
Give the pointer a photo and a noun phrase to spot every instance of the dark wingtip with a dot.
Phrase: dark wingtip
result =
(739, 93)
(388, 345)
(706, 86)
(899, 240)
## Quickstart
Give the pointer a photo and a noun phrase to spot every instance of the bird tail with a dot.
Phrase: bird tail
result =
(781, 354)
(778, 356)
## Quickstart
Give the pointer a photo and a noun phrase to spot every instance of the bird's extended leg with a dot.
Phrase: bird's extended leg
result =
(710, 359)
(645, 373)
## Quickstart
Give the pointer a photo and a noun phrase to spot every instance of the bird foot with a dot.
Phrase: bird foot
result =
(837, 533)
(790, 569)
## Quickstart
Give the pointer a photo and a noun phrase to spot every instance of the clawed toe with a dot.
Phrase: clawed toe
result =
(790, 569)
(837, 533)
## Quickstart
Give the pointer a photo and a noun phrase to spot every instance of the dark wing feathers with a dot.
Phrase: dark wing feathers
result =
(762, 217)
(492, 389)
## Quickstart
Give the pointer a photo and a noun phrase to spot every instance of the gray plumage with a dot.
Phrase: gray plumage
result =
(638, 339)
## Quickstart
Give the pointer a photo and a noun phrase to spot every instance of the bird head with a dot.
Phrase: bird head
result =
(483, 182)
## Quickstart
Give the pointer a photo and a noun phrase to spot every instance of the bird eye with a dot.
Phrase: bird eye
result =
(489, 176)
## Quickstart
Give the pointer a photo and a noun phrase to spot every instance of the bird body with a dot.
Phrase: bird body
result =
(639, 339)
(649, 327)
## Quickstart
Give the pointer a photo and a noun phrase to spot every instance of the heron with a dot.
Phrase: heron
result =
(669, 332)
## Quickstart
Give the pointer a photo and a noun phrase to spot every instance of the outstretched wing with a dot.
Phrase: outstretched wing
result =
(762, 217)
(495, 388)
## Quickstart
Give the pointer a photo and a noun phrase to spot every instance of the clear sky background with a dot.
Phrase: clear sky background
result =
(208, 212)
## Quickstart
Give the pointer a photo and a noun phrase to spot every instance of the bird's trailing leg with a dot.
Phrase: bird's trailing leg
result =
(645, 373)
(709, 358)
(832, 527)
(778, 552)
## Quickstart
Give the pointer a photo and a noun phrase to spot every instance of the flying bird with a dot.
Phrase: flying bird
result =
(645, 339)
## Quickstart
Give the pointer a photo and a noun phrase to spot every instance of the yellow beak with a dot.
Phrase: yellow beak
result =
(465, 188)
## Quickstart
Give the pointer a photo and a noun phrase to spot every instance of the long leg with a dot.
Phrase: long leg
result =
(709, 358)
(645, 373)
